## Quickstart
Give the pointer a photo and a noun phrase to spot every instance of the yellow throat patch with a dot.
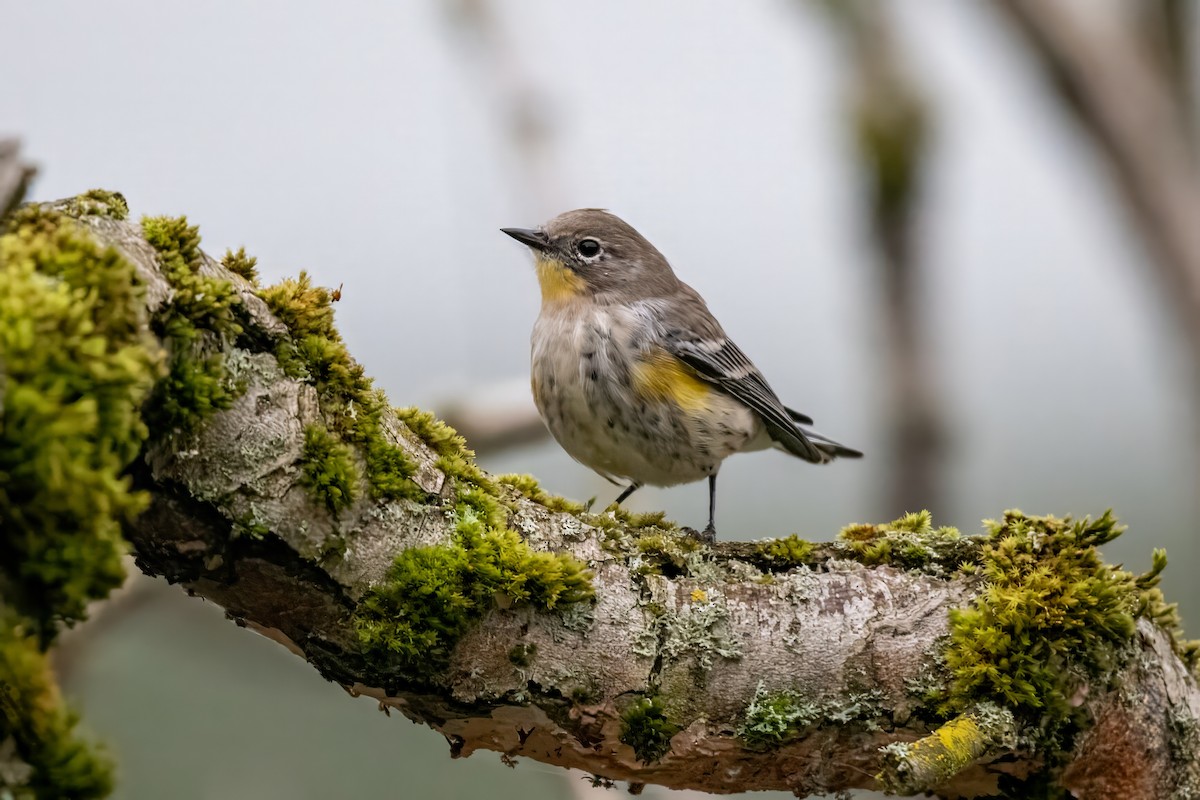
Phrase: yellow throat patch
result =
(663, 377)
(558, 281)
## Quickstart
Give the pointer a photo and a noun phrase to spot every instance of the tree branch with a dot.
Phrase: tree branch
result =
(366, 542)
(1109, 81)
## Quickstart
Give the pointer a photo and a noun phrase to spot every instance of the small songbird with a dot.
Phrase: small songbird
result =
(631, 372)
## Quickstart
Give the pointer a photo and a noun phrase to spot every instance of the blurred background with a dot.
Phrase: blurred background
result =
(963, 236)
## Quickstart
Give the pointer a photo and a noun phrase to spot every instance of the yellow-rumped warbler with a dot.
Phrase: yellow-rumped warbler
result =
(632, 374)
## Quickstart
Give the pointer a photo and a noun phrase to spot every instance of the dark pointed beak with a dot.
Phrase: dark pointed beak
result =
(536, 239)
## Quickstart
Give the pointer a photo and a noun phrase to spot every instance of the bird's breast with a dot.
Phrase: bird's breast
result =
(624, 406)
(579, 355)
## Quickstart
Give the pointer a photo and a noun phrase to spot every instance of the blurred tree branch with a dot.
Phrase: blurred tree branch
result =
(1139, 113)
(365, 541)
(891, 125)
(1169, 33)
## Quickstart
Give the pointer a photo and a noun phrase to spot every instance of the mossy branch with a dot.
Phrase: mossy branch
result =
(272, 478)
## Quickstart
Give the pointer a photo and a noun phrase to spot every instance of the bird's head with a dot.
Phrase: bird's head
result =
(590, 252)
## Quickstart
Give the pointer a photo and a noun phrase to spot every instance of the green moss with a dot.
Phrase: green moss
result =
(633, 521)
(646, 728)
(586, 694)
(241, 264)
(910, 542)
(440, 437)
(780, 555)
(198, 324)
(528, 486)
(665, 552)
(433, 595)
(1050, 618)
(351, 408)
(98, 203)
(41, 730)
(1153, 606)
(76, 369)
(327, 469)
(522, 655)
(453, 456)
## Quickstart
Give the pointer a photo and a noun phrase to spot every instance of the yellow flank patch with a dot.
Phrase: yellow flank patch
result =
(661, 376)
(558, 282)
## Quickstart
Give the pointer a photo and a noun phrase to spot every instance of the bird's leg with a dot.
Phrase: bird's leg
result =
(630, 489)
(710, 531)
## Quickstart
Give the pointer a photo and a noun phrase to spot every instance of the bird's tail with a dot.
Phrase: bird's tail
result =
(831, 448)
(827, 447)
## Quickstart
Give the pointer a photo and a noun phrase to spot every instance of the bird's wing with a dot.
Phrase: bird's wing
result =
(798, 416)
(695, 338)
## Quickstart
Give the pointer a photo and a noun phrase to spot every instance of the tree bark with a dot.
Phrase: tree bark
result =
(705, 631)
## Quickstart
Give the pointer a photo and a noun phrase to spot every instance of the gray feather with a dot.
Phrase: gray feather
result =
(695, 337)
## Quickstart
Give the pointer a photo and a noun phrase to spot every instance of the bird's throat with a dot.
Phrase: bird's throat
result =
(559, 282)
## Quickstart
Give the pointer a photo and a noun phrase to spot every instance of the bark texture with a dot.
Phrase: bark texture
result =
(682, 649)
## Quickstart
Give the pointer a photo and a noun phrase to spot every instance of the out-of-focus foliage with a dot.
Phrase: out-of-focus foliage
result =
(76, 369)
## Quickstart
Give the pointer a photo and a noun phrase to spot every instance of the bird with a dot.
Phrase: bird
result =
(633, 375)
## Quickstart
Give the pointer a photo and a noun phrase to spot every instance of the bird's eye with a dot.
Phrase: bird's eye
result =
(588, 248)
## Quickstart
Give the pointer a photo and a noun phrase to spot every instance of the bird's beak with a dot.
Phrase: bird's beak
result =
(536, 239)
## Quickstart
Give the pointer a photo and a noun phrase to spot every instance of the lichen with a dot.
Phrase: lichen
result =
(198, 324)
(697, 630)
(432, 595)
(1184, 745)
(920, 766)
(646, 728)
(774, 718)
(910, 542)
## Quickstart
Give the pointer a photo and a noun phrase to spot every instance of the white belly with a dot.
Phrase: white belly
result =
(582, 384)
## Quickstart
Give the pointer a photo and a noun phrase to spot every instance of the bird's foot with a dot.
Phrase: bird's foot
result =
(706, 536)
